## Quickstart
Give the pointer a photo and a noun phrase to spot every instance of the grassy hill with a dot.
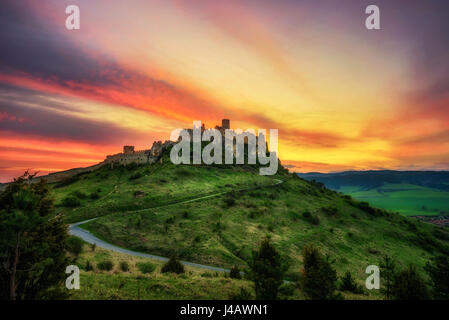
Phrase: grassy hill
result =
(406, 192)
(222, 230)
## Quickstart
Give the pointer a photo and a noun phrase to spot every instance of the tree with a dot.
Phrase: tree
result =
(438, 271)
(348, 284)
(32, 242)
(319, 279)
(408, 285)
(235, 273)
(266, 271)
(387, 272)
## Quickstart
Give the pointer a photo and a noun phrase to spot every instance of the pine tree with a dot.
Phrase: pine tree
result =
(32, 242)
(408, 285)
(438, 271)
(387, 273)
(266, 271)
(319, 279)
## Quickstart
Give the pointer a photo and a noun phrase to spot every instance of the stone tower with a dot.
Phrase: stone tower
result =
(128, 149)
(226, 124)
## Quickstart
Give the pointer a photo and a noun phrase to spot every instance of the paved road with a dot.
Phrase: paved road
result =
(88, 237)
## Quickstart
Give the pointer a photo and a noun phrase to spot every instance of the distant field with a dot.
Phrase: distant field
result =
(407, 199)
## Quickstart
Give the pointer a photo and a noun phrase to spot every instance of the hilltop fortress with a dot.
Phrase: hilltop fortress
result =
(129, 155)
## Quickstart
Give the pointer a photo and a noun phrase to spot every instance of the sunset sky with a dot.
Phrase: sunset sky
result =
(343, 97)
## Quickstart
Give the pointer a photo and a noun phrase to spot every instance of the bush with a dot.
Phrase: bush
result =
(235, 273)
(135, 176)
(243, 294)
(124, 266)
(173, 265)
(66, 181)
(75, 245)
(287, 289)
(311, 218)
(105, 265)
(79, 194)
(146, 267)
(94, 196)
(88, 266)
(348, 284)
(71, 202)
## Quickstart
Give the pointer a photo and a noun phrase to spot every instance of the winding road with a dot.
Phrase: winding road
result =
(88, 237)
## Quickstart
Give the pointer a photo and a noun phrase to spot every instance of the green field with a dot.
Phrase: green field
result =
(407, 199)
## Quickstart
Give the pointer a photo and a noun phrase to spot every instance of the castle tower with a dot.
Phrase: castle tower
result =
(226, 124)
(128, 149)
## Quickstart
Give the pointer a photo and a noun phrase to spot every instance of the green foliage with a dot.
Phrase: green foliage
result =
(313, 219)
(75, 245)
(136, 176)
(266, 271)
(88, 266)
(32, 243)
(319, 279)
(173, 265)
(409, 285)
(242, 294)
(94, 195)
(124, 266)
(348, 284)
(235, 273)
(71, 202)
(388, 273)
(105, 265)
(438, 271)
(79, 194)
(146, 267)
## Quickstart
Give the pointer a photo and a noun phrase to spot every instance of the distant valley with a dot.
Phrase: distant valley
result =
(410, 193)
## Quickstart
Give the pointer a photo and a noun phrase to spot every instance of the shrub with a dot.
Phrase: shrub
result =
(75, 245)
(348, 284)
(124, 266)
(306, 214)
(235, 273)
(146, 267)
(88, 266)
(173, 265)
(287, 289)
(105, 265)
(71, 202)
(242, 294)
(135, 176)
(79, 194)
(94, 196)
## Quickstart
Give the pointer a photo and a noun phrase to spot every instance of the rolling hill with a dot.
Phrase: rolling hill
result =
(144, 208)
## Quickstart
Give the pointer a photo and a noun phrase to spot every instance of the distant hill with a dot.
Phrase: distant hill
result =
(409, 192)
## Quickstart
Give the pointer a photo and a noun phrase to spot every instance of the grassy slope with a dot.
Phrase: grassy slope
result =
(116, 284)
(216, 233)
(406, 199)
(162, 183)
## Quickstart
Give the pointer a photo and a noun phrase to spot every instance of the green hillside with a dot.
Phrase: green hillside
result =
(223, 229)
